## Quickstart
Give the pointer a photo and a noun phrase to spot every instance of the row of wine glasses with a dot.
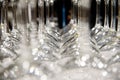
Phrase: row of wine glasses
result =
(34, 48)
(105, 37)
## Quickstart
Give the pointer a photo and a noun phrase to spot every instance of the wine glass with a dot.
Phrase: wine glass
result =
(108, 43)
(6, 37)
(69, 34)
(98, 27)
(8, 54)
(15, 32)
(49, 37)
(115, 43)
(76, 39)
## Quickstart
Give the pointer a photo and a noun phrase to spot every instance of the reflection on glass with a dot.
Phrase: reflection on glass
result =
(36, 49)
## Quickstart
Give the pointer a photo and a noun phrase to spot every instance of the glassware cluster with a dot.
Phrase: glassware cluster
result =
(32, 47)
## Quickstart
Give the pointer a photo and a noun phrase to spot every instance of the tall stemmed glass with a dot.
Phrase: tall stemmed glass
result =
(7, 53)
(105, 28)
(103, 32)
(76, 38)
(108, 43)
(24, 46)
(115, 42)
(46, 54)
(28, 30)
(100, 41)
(48, 43)
(74, 8)
(50, 14)
(69, 33)
(15, 33)
(41, 26)
(118, 18)
(113, 14)
(7, 43)
(4, 19)
(118, 25)
(110, 31)
(114, 61)
(106, 22)
(110, 35)
(51, 19)
(98, 25)
(54, 32)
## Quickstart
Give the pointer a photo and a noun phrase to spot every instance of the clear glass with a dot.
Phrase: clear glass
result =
(98, 25)
(49, 53)
(7, 53)
(49, 33)
(106, 39)
(106, 22)
(69, 33)
(15, 32)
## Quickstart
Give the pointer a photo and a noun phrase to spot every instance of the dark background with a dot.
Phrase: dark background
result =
(59, 4)
(67, 3)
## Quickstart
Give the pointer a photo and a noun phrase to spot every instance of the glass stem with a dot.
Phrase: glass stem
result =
(4, 28)
(106, 21)
(47, 12)
(98, 22)
(118, 18)
(41, 16)
(1, 16)
(79, 12)
(41, 12)
(113, 14)
(5, 17)
(14, 23)
(74, 11)
(25, 14)
(29, 13)
(33, 12)
(52, 9)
